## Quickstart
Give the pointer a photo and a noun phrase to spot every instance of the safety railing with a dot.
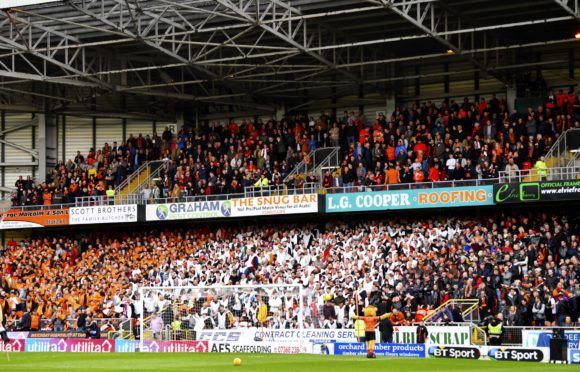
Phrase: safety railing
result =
(532, 175)
(467, 307)
(315, 162)
(559, 154)
(144, 174)
(411, 186)
(102, 200)
(306, 188)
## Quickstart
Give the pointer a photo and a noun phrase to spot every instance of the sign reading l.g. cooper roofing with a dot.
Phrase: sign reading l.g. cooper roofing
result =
(469, 196)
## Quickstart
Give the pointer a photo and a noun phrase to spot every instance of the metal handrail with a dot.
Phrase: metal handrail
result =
(534, 174)
(559, 149)
(130, 177)
(413, 185)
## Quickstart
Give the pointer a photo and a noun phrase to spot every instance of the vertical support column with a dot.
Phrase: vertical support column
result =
(390, 104)
(511, 95)
(180, 121)
(94, 132)
(3, 150)
(417, 86)
(571, 66)
(476, 85)
(361, 95)
(47, 143)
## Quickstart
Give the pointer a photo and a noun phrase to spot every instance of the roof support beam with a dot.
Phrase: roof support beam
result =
(570, 6)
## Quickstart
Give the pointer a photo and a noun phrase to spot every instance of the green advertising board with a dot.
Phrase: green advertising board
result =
(541, 191)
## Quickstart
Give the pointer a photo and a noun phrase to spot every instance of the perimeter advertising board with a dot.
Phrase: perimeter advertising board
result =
(242, 207)
(275, 205)
(16, 218)
(103, 214)
(530, 192)
(447, 197)
(440, 335)
(188, 211)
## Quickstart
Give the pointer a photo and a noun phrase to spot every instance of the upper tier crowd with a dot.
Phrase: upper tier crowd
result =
(523, 266)
(455, 141)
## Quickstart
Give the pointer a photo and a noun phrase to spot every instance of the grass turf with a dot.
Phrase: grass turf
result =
(69, 362)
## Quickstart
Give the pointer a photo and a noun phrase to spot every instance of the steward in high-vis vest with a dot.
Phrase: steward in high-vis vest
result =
(359, 330)
(495, 330)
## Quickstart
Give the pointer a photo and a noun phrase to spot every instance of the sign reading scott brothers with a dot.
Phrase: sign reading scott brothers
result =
(188, 211)
(103, 214)
(469, 196)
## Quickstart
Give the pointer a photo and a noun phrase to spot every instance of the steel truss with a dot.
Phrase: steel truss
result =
(227, 52)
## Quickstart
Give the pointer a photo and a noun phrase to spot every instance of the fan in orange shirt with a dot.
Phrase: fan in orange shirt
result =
(371, 319)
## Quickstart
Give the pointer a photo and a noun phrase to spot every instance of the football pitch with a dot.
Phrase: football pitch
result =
(68, 362)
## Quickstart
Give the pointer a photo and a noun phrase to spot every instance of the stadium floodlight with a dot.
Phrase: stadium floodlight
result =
(6, 4)
(243, 318)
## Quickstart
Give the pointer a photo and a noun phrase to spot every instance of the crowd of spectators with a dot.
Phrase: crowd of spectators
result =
(453, 141)
(525, 266)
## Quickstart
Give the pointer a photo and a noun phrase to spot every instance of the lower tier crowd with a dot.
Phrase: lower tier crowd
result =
(521, 264)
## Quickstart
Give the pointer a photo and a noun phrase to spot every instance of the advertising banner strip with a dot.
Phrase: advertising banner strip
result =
(391, 350)
(275, 205)
(103, 214)
(257, 347)
(440, 335)
(26, 219)
(574, 356)
(54, 334)
(188, 211)
(447, 197)
(537, 338)
(530, 192)
(242, 207)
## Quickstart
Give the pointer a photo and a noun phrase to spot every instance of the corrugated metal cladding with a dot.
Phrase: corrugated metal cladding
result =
(109, 131)
(22, 137)
(135, 127)
(78, 136)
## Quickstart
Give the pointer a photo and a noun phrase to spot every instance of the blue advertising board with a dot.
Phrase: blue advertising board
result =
(446, 197)
(574, 357)
(392, 350)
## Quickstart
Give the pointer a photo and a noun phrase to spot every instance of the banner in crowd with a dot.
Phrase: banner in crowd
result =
(188, 211)
(16, 218)
(527, 192)
(442, 335)
(468, 196)
(574, 356)
(540, 338)
(390, 350)
(55, 334)
(273, 205)
(103, 214)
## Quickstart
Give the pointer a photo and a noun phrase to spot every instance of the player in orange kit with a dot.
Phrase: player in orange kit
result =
(371, 319)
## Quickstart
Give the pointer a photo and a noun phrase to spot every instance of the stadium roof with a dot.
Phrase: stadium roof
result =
(256, 55)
